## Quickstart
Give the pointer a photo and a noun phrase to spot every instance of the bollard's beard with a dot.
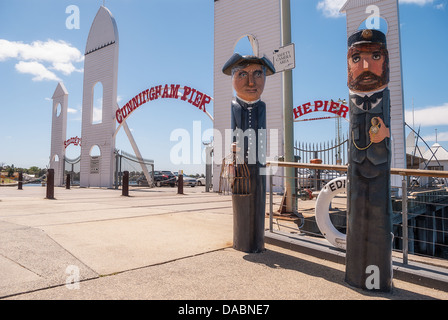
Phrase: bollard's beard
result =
(367, 81)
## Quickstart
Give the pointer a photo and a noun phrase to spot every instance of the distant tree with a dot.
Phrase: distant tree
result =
(34, 170)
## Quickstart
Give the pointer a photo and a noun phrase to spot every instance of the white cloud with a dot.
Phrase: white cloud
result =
(429, 116)
(39, 57)
(71, 110)
(330, 8)
(36, 69)
(97, 115)
(65, 68)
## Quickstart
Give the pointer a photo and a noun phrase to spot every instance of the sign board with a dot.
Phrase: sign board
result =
(284, 58)
(331, 106)
(75, 140)
(190, 95)
(95, 164)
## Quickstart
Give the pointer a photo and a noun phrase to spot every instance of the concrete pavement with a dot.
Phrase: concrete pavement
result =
(155, 244)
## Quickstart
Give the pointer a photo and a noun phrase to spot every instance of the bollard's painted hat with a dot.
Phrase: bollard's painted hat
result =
(237, 59)
(367, 36)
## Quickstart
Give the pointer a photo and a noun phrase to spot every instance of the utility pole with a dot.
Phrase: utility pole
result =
(288, 124)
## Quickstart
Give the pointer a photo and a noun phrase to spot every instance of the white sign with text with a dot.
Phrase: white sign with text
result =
(284, 58)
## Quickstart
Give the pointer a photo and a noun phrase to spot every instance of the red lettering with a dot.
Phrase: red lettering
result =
(192, 94)
(146, 95)
(134, 104)
(318, 104)
(298, 112)
(326, 104)
(158, 92)
(75, 140)
(343, 110)
(118, 116)
(306, 108)
(205, 100)
(142, 97)
(174, 91)
(165, 92)
(151, 94)
(198, 98)
(334, 107)
(187, 91)
(124, 111)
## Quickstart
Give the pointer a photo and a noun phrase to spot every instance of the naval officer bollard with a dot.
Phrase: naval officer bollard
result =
(248, 122)
(369, 207)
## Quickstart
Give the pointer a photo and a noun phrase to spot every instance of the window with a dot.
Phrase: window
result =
(247, 45)
(58, 110)
(97, 103)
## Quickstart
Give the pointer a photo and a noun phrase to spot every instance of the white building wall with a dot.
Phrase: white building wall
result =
(356, 13)
(100, 65)
(58, 133)
(233, 20)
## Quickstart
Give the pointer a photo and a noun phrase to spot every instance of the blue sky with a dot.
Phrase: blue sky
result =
(171, 41)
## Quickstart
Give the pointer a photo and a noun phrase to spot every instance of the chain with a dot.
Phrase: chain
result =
(356, 146)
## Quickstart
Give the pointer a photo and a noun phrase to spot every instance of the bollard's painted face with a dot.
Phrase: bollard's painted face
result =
(368, 67)
(249, 82)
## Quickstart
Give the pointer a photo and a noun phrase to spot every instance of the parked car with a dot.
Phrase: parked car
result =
(164, 178)
(201, 181)
(141, 182)
(189, 181)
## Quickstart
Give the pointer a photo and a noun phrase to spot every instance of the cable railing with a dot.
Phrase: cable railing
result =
(419, 215)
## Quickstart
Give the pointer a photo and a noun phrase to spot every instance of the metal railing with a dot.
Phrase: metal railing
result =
(127, 162)
(420, 213)
(72, 167)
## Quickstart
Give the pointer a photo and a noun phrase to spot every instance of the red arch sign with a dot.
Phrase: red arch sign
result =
(320, 105)
(190, 95)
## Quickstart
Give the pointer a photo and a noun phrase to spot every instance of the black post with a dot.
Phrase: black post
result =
(20, 180)
(125, 186)
(67, 181)
(50, 184)
(180, 183)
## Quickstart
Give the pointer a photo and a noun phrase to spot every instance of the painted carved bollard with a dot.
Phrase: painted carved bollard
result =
(369, 208)
(248, 122)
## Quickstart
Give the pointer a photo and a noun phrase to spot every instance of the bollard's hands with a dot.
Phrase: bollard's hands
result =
(382, 133)
(235, 148)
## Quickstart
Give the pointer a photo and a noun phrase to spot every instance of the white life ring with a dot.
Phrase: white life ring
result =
(323, 201)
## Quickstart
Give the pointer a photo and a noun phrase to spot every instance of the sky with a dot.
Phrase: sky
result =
(171, 41)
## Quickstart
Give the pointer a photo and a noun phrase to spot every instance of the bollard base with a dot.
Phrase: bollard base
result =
(248, 224)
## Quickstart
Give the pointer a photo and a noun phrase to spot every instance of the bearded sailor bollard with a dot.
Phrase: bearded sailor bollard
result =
(369, 208)
(248, 122)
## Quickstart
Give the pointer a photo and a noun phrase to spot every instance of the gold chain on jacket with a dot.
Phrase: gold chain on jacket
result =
(373, 130)
(356, 146)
